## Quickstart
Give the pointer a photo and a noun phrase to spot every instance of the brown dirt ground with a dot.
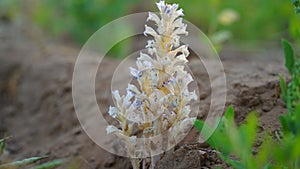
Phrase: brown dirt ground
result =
(37, 111)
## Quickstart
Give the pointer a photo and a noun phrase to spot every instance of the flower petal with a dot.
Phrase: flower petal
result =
(145, 57)
(111, 129)
(113, 111)
(154, 17)
(179, 31)
(133, 89)
(150, 31)
(186, 124)
(161, 5)
(116, 95)
(135, 72)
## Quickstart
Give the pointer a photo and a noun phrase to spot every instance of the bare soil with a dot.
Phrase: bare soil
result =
(36, 106)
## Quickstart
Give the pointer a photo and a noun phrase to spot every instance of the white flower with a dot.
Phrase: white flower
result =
(148, 130)
(179, 12)
(162, 93)
(178, 23)
(154, 17)
(135, 73)
(133, 139)
(137, 103)
(113, 111)
(175, 6)
(188, 78)
(147, 64)
(181, 59)
(150, 31)
(127, 98)
(139, 64)
(153, 76)
(133, 89)
(186, 124)
(193, 95)
(175, 41)
(150, 46)
(145, 57)
(116, 95)
(161, 5)
(111, 129)
(186, 110)
(180, 31)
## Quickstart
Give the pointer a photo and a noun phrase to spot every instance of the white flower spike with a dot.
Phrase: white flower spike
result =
(160, 102)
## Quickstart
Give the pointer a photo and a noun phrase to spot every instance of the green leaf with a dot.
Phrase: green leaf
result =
(248, 131)
(205, 131)
(295, 2)
(267, 166)
(284, 123)
(2, 144)
(297, 117)
(263, 157)
(297, 10)
(199, 124)
(4, 139)
(229, 114)
(289, 55)
(283, 87)
(237, 164)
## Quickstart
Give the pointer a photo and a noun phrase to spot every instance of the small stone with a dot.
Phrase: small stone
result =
(267, 107)
(92, 159)
(77, 132)
(203, 95)
(110, 161)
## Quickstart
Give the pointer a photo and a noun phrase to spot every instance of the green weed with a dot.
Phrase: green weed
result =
(21, 163)
(291, 92)
(236, 144)
(2, 144)
(49, 165)
(28, 161)
(296, 3)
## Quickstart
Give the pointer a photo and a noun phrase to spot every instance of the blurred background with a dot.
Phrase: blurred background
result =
(40, 40)
(244, 24)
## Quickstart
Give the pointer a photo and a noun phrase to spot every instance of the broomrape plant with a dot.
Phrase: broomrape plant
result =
(160, 104)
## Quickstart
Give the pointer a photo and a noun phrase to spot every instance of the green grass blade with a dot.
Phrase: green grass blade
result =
(297, 117)
(21, 162)
(49, 165)
(229, 114)
(198, 124)
(2, 144)
(283, 87)
(284, 124)
(4, 139)
(289, 55)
